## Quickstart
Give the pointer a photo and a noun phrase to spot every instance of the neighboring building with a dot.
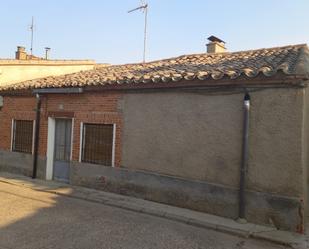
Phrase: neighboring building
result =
(172, 131)
(27, 67)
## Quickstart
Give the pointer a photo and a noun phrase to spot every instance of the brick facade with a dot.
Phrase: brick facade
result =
(102, 108)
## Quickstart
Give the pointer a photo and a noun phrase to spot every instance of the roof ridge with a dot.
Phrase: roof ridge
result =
(205, 54)
(271, 48)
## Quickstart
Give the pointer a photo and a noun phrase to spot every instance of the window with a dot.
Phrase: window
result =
(22, 136)
(97, 144)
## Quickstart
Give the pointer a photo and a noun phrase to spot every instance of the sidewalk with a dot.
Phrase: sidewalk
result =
(169, 212)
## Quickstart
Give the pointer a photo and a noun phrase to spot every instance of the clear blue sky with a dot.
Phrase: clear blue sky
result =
(102, 29)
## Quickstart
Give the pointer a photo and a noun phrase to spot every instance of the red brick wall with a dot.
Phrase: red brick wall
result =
(86, 108)
(14, 108)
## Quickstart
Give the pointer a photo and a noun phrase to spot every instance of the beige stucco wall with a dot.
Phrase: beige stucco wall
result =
(276, 144)
(199, 136)
(12, 71)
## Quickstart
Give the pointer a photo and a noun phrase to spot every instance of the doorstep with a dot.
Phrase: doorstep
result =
(161, 210)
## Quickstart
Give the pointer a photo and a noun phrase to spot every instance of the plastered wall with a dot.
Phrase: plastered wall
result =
(12, 71)
(198, 136)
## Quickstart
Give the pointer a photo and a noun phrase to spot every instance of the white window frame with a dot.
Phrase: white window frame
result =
(114, 145)
(72, 139)
(81, 141)
(82, 137)
(12, 134)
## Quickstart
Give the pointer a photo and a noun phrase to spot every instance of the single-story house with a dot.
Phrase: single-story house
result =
(219, 132)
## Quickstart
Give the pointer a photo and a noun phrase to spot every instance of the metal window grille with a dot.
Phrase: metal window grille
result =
(97, 146)
(22, 136)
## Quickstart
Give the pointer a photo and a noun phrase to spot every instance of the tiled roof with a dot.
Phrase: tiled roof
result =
(291, 60)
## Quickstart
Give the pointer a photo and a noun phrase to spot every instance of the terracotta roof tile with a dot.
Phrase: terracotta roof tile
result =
(292, 59)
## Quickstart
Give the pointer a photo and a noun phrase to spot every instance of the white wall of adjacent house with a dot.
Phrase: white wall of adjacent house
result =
(13, 71)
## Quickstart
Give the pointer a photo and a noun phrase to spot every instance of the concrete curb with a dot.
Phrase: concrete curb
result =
(190, 217)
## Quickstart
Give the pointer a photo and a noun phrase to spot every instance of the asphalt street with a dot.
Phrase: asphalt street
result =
(32, 219)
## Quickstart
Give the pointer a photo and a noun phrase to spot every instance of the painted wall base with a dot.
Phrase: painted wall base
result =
(262, 208)
(21, 163)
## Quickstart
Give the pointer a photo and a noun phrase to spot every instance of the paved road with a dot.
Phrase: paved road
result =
(30, 220)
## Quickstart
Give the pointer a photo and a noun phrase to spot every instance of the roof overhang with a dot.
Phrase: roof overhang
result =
(280, 79)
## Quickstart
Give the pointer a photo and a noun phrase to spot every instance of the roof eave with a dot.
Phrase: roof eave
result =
(280, 79)
(261, 80)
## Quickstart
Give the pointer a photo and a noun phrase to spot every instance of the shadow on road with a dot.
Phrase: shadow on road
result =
(32, 219)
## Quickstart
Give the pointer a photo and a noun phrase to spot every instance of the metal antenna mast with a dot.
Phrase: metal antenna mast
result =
(32, 31)
(144, 8)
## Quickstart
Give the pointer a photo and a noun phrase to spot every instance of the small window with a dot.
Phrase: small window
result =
(97, 144)
(22, 136)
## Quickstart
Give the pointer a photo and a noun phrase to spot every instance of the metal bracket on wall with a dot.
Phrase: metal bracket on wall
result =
(58, 90)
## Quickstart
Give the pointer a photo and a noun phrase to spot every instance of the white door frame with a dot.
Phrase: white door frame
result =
(51, 146)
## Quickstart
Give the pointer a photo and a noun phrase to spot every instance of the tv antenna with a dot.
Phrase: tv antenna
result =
(32, 32)
(144, 8)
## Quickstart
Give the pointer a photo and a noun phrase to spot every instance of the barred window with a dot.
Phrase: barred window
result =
(97, 144)
(22, 136)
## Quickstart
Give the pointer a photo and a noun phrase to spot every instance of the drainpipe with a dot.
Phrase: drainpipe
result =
(36, 135)
(244, 161)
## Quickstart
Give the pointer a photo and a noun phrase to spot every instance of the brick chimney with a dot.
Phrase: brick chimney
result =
(215, 45)
(21, 54)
